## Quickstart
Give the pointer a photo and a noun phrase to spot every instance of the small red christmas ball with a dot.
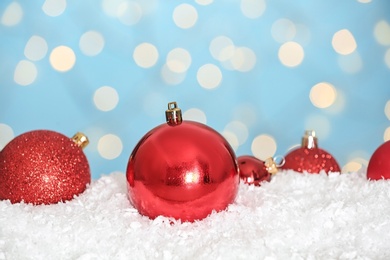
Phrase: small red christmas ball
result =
(43, 167)
(253, 171)
(379, 164)
(182, 169)
(309, 158)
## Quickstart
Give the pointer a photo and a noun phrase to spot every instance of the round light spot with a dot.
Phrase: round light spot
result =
(12, 15)
(195, 114)
(209, 76)
(54, 7)
(283, 30)
(386, 135)
(110, 146)
(106, 98)
(25, 73)
(204, 2)
(323, 95)
(382, 33)
(245, 113)
(387, 109)
(351, 167)
(36, 48)
(351, 63)
(343, 42)
(320, 124)
(111, 7)
(178, 60)
(6, 135)
(263, 146)
(170, 77)
(253, 8)
(387, 58)
(129, 13)
(356, 163)
(149, 7)
(339, 104)
(185, 16)
(302, 35)
(222, 48)
(91, 43)
(231, 138)
(62, 58)
(239, 129)
(244, 59)
(291, 54)
(145, 55)
(364, 1)
(228, 64)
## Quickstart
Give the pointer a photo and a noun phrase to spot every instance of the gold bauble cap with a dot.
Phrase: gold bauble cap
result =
(173, 114)
(80, 139)
(309, 140)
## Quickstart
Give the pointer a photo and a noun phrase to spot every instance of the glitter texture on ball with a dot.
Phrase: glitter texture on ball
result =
(43, 167)
(309, 158)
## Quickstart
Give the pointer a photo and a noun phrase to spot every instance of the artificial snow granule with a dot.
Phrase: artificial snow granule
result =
(295, 216)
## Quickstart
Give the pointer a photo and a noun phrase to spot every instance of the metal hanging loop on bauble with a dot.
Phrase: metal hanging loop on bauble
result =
(173, 114)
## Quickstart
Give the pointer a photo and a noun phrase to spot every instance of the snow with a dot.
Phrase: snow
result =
(295, 216)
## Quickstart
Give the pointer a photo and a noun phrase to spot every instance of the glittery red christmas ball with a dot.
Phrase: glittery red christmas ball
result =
(309, 158)
(379, 164)
(43, 167)
(252, 170)
(182, 169)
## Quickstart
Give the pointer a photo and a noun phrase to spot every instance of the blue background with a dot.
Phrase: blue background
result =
(265, 100)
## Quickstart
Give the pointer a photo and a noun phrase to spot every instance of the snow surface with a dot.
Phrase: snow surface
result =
(295, 216)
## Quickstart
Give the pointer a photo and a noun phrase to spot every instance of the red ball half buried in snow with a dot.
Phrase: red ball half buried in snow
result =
(309, 158)
(182, 169)
(43, 167)
(379, 164)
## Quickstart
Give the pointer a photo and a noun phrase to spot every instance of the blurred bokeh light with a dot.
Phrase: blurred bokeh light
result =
(259, 72)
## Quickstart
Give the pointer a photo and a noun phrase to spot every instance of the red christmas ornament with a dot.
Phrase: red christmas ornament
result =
(43, 167)
(379, 164)
(182, 169)
(310, 158)
(255, 171)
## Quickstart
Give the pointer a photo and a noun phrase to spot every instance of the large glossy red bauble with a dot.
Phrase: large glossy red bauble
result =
(379, 164)
(42, 167)
(184, 171)
(311, 160)
(252, 170)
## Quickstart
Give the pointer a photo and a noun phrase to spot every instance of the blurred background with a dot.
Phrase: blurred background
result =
(259, 72)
